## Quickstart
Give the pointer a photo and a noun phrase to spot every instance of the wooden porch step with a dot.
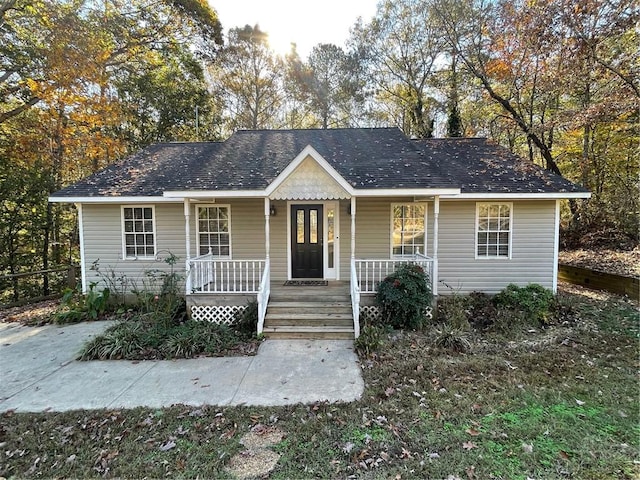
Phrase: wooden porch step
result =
(308, 320)
(293, 297)
(311, 333)
(321, 308)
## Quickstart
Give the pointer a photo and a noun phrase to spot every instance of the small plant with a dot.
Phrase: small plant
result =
(453, 310)
(534, 301)
(371, 337)
(246, 321)
(77, 307)
(404, 296)
(452, 338)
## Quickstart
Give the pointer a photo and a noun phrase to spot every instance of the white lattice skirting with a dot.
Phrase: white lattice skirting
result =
(220, 314)
(372, 312)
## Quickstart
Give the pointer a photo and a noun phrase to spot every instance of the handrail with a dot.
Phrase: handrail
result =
(355, 299)
(370, 272)
(263, 295)
(212, 275)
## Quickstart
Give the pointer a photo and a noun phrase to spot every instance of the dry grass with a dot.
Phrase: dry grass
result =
(554, 403)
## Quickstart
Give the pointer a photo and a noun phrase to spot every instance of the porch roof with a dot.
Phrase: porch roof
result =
(377, 160)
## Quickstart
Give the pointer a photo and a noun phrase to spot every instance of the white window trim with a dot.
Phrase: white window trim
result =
(155, 236)
(423, 250)
(197, 219)
(475, 241)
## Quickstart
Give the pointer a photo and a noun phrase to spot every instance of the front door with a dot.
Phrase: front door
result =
(306, 241)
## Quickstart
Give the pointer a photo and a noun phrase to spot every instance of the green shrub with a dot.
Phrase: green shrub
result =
(76, 307)
(246, 321)
(534, 301)
(371, 337)
(454, 310)
(404, 296)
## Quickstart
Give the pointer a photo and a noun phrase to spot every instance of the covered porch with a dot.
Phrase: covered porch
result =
(217, 288)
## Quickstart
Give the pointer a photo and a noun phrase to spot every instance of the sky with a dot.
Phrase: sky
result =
(304, 22)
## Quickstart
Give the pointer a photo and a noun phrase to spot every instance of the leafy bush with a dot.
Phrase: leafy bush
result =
(246, 321)
(534, 300)
(371, 337)
(454, 310)
(404, 296)
(76, 307)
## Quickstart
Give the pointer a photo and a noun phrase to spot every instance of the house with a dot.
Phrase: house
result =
(342, 206)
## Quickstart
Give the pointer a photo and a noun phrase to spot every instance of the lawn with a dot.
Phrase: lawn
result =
(559, 402)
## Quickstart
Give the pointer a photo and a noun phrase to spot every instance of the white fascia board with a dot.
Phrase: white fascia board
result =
(196, 194)
(112, 200)
(519, 196)
(309, 151)
(404, 192)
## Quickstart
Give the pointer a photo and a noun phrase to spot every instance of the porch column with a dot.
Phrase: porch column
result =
(267, 214)
(187, 229)
(353, 228)
(187, 244)
(436, 214)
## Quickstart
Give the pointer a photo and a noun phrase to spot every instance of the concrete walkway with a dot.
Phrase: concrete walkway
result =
(38, 373)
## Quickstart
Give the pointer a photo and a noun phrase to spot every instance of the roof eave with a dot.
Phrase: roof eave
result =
(524, 195)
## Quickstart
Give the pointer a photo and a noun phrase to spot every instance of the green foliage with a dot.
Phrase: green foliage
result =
(144, 337)
(534, 300)
(403, 297)
(371, 337)
(452, 338)
(246, 321)
(76, 307)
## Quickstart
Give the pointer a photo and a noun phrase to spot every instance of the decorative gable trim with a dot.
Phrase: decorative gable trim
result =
(287, 174)
(309, 182)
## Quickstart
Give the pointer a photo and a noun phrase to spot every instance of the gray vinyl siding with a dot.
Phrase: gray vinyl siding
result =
(532, 249)
(532, 241)
(102, 225)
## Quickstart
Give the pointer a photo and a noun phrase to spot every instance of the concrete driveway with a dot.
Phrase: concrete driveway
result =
(38, 373)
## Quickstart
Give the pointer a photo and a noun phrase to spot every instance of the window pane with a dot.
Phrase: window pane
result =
(149, 239)
(330, 233)
(131, 251)
(313, 227)
(129, 239)
(137, 213)
(128, 213)
(147, 213)
(300, 226)
(148, 226)
(149, 251)
(128, 226)
(503, 250)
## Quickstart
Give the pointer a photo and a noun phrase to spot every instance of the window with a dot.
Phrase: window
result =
(493, 230)
(139, 232)
(408, 236)
(214, 231)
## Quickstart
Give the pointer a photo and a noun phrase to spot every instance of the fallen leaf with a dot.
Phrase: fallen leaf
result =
(472, 431)
(167, 446)
(580, 402)
(469, 445)
(471, 472)
(564, 455)
(527, 447)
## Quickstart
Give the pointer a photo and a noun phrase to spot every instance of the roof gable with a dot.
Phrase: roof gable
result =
(309, 177)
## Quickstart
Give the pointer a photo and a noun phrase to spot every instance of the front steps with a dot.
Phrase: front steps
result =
(310, 313)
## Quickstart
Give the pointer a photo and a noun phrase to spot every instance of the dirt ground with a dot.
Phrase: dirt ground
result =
(609, 261)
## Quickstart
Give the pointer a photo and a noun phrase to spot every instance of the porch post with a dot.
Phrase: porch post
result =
(436, 214)
(267, 214)
(187, 244)
(353, 228)
(187, 229)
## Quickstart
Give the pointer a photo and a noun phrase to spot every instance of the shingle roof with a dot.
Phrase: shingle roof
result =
(481, 166)
(369, 158)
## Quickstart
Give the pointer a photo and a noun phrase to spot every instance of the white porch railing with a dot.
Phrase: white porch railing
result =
(263, 295)
(206, 274)
(369, 273)
(355, 299)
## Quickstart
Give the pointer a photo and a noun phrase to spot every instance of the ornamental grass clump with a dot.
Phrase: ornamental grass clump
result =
(403, 297)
